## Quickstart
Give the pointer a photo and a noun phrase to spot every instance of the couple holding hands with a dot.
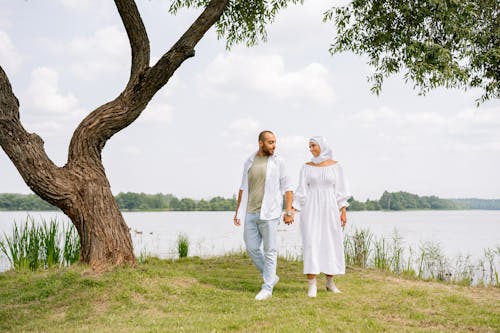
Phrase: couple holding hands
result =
(321, 198)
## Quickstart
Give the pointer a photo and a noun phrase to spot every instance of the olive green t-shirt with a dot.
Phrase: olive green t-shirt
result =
(256, 183)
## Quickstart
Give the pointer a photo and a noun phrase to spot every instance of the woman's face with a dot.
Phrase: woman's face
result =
(314, 148)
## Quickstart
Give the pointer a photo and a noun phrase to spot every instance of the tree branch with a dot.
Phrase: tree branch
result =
(137, 35)
(26, 151)
(183, 49)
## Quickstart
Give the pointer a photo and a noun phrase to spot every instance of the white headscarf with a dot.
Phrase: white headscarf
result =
(326, 151)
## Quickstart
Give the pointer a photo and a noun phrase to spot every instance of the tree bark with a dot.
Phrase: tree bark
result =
(80, 188)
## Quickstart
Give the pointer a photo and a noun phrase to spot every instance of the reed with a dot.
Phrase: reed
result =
(51, 252)
(380, 254)
(357, 247)
(31, 245)
(182, 245)
(396, 252)
(71, 249)
(464, 270)
(428, 262)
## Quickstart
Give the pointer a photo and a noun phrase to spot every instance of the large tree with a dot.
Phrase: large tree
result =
(81, 189)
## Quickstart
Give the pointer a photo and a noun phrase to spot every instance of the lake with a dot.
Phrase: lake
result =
(212, 233)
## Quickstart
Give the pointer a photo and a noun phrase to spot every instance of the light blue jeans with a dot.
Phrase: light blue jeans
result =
(259, 232)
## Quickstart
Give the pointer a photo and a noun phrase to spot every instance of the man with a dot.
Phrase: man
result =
(260, 202)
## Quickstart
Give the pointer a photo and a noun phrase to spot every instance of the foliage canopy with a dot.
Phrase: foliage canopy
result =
(450, 43)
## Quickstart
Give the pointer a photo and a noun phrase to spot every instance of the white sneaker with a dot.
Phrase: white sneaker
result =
(276, 281)
(263, 294)
(312, 290)
(333, 288)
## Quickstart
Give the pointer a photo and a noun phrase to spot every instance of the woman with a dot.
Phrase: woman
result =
(321, 198)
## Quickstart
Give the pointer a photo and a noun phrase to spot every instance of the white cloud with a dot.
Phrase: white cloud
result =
(266, 74)
(10, 57)
(131, 150)
(46, 127)
(80, 5)
(295, 149)
(159, 111)
(243, 135)
(44, 93)
(293, 143)
(5, 18)
(106, 51)
(156, 113)
(300, 22)
(467, 130)
(385, 114)
(242, 127)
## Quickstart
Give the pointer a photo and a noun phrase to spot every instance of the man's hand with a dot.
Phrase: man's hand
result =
(236, 221)
(288, 219)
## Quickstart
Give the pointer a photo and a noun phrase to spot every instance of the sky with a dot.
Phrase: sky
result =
(64, 58)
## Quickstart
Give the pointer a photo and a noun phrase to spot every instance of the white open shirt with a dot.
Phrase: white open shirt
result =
(276, 184)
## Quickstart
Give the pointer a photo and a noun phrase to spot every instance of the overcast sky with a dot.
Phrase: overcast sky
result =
(65, 58)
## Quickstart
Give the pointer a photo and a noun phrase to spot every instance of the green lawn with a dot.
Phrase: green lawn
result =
(217, 295)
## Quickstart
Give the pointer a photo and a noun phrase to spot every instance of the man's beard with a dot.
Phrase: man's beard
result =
(267, 152)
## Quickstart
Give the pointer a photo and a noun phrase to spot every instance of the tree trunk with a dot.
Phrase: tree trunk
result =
(104, 236)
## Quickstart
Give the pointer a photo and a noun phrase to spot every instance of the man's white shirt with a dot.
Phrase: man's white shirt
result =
(276, 184)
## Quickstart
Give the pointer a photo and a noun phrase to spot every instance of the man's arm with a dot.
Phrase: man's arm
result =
(236, 220)
(288, 207)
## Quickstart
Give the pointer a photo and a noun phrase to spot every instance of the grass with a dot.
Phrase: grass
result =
(217, 295)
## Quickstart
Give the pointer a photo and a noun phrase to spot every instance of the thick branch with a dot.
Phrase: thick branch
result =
(26, 150)
(138, 38)
(184, 48)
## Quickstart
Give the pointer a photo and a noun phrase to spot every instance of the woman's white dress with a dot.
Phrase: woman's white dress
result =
(322, 191)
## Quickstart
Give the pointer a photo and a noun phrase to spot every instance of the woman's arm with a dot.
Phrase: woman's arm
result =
(343, 216)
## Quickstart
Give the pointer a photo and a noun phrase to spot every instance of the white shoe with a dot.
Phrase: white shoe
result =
(312, 290)
(276, 281)
(333, 288)
(263, 294)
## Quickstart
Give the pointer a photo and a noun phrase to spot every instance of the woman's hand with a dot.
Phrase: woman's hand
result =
(343, 218)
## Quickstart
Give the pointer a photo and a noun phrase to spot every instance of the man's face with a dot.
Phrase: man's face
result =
(268, 145)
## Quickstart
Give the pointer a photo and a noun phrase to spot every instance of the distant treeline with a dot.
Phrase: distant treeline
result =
(406, 201)
(142, 201)
(478, 203)
(12, 201)
(131, 201)
(126, 201)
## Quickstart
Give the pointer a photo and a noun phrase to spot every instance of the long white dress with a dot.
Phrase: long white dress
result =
(322, 191)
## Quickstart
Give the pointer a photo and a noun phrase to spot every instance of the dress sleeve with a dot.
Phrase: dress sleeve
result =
(342, 189)
(300, 195)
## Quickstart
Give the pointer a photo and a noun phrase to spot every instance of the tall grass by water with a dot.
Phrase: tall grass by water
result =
(428, 262)
(40, 245)
(183, 245)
